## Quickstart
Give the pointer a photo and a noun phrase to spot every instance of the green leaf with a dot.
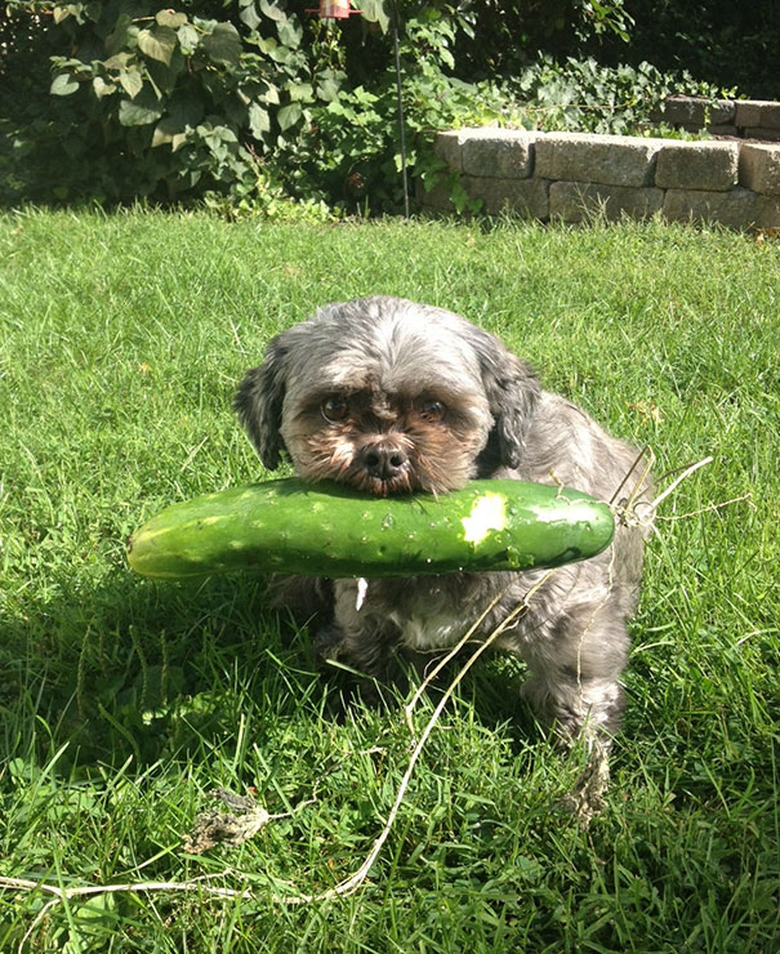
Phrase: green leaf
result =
(224, 44)
(376, 11)
(284, 56)
(186, 110)
(328, 89)
(163, 78)
(132, 82)
(62, 13)
(64, 84)
(189, 39)
(167, 131)
(273, 9)
(288, 116)
(96, 918)
(101, 88)
(132, 113)
(248, 14)
(118, 61)
(290, 33)
(158, 43)
(119, 38)
(259, 121)
(363, 96)
(170, 18)
(270, 95)
(301, 92)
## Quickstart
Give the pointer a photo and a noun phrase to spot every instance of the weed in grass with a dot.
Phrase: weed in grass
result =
(125, 702)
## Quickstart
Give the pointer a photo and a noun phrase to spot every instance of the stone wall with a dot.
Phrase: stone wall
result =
(746, 118)
(569, 175)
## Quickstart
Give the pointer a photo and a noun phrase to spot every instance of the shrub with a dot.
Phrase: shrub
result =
(242, 102)
(258, 106)
(167, 104)
(581, 95)
(726, 43)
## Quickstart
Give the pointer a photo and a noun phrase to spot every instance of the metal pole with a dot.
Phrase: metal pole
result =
(401, 122)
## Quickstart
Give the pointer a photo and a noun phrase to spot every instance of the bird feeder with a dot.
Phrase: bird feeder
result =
(341, 10)
(334, 10)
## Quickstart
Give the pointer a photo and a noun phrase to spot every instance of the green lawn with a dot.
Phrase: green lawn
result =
(124, 702)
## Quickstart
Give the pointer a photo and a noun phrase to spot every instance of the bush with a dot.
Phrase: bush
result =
(165, 104)
(581, 95)
(259, 106)
(173, 105)
(240, 102)
(726, 43)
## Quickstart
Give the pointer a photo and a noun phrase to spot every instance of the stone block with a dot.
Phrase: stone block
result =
(723, 130)
(739, 209)
(759, 168)
(500, 153)
(762, 132)
(692, 111)
(748, 112)
(683, 111)
(607, 160)
(524, 196)
(448, 146)
(721, 112)
(706, 166)
(757, 113)
(573, 201)
(770, 115)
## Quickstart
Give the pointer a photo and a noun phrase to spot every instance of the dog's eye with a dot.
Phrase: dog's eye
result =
(432, 412)
(334, 409)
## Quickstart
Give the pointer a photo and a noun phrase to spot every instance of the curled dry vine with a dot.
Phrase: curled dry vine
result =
(628, 510)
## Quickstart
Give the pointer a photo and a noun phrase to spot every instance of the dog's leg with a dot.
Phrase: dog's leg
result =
(309, 599)
(575, 666)
(574, 685)
(574, 704)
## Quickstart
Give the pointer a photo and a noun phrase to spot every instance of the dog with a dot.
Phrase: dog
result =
(392, 397)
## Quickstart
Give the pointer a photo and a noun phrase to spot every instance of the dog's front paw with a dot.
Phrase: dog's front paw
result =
(329, 644)
(587, 797)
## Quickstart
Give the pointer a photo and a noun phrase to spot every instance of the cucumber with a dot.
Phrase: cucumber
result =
(329, 530)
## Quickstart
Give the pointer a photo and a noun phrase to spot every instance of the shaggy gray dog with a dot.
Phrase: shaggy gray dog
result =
(393, 397)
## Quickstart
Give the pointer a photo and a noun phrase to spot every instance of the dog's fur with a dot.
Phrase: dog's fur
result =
(391, 397)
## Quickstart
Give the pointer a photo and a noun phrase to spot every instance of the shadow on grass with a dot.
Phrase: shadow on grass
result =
(137, 667)
(157, 670)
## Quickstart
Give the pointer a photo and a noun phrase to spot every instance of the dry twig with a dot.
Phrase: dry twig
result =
(213, 827)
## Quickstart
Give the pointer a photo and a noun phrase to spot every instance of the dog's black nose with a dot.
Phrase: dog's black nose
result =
(384, 459)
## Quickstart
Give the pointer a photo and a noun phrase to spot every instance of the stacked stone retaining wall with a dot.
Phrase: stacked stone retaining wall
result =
(745, 118)
(569, 175)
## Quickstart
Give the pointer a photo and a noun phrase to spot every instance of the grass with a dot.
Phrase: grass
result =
(124, 703)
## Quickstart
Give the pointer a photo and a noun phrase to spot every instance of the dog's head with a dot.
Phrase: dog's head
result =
(388, 396)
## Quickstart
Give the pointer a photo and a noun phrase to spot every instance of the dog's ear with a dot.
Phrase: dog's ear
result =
(513, 391)
(258, 404)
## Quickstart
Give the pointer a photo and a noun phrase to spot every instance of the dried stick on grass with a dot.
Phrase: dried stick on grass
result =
(710, 508)
(626, 511)
(676, 483)
(342, 889)
(350, 885)
(648, 456)
(86, 891)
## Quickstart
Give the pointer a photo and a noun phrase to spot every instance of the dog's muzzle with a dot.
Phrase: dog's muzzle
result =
(383, 459)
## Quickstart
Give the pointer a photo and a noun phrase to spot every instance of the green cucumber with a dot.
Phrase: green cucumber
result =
(329, 530)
